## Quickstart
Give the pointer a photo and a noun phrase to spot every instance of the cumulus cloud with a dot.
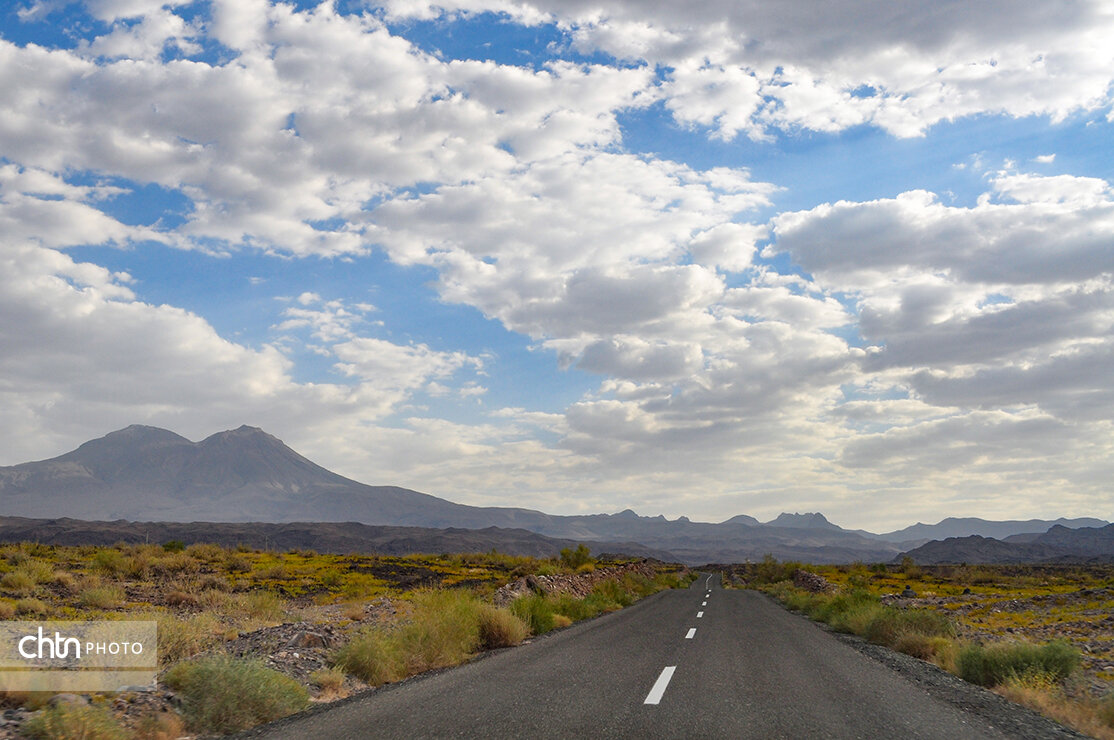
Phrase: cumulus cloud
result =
(747, 67)
(994, 319)
(923, 339)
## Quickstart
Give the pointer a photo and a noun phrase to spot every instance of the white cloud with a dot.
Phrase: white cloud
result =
(723, 384)
(744, 66)
(995, 318)
(393, 366)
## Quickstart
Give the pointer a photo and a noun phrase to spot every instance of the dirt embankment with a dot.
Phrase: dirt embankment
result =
(577, 585)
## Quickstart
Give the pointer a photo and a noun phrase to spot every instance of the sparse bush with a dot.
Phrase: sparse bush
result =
(160, 726)
(237, 563)
(371, 657)
(110, 562)
(890, 625)
(994, 664)
(1106, 710)
(536, 611)
(183, 637)
(611, 595)
(442, 631)
(17, 557)
(500, 628)
(76, 721)
(771, 571)
(32, 701)
(177, 597)
(858, 617)
(276, 572)
(206, 552)
(332, 579)
(910, 568)
(213, 583)
(64, 580)
(18, 582)
(265, 606)
(137, 566)
(101, 597)
(353, 611)
(30, 606)
(574, 559)
(939, 650)
(177, 563)
(225, 694)
(329, 682)
(7, 610)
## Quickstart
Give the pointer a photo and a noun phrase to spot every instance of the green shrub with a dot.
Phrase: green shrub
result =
(223, 694)
(536, 611)
(994, 664)
(80, 722)
(371, 657)
(443, 630)
(173, 546)
(573, 559)
(611, 595)
(858, 618)
(771, 571)
(921, 646)
(890, 625)
(107, 561)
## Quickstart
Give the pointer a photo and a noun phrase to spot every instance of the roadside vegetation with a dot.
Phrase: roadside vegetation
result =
(221, 611)
(1040, 636)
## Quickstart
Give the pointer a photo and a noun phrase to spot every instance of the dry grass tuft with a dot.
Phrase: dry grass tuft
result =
(329, 683)
(161, 726)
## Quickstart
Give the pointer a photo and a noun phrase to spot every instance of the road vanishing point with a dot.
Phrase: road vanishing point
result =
(702, 662)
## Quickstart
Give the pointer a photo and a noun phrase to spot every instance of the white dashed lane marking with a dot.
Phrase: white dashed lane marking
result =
(691, 633)
(658, 690)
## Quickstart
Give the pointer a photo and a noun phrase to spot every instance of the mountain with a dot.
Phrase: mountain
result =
(802, 521)
(741, 519)
(966, 527)
(1059, 544)
(342, 537)
(246, 475)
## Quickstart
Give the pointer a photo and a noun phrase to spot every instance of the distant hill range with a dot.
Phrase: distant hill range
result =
(147, 474)
(1059, 544)
(966, 527)
(332, 537)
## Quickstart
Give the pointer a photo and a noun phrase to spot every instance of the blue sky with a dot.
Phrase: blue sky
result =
(693, 259)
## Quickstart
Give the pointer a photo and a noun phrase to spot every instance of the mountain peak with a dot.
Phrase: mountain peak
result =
(808, 520)
(742, 519)
(242, 435)
(136, 436)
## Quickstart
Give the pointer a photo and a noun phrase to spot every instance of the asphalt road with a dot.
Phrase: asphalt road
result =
(699, 663)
